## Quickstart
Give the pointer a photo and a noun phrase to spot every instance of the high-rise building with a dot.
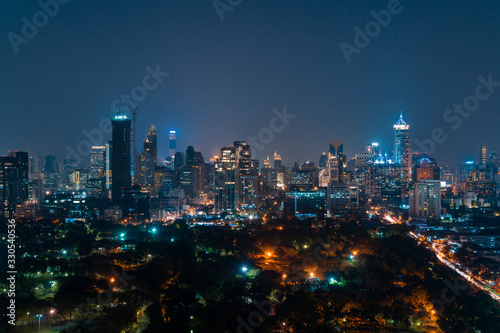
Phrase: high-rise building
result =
(336, 148)
(121, 159)
(426, 168)
(97, 158)
(402, 148)
(483, 158)
(23, 161)
(323, 161)
(277, 160)
(11, 184)
(148, 160)
(425, 200)
(172, 143)
(225, 180)
(108, 172)
(246, 180)
(178, 160)
(51, 164)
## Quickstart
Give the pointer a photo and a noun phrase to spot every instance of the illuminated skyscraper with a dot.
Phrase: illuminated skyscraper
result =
(11, 183)
(339, 161)
(337, 148)
(225, 180)
(172, 144)
(402, 148)
(120, 160)
(425, 199)
(23, 160)
(483, 158)
(97, 158)
(148, 160)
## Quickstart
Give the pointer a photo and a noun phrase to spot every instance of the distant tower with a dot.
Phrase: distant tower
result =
(277, 160)
(97, 158)
(148, 160)
(337, 151)
(484, 155)
(172, 144)
(336, 148)
(402, 147)
(120, 160)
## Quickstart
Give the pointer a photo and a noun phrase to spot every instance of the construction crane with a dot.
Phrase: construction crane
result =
(132, 137)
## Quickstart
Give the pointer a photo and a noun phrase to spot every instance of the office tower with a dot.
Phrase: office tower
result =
(51, 165)
(425, 200)
(148, 160)
(323, 161)
(165, 182)
(267, 175)
(121, 160)
(35, 166)
(277, 160)
(190, 156)
(172, 144)
(11, 185)
(193, 176)
(255, 167)
(35, 191)
(331, 174)
(225, 180)
(402, 148)
(483, 158)
(426, 168)
(247, 182)
(178, 160)
(363, 160)
(23, 161)
(97, 158)
(336, 148)
(108, 168)
(78, 179)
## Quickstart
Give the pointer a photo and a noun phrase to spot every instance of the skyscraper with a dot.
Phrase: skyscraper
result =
(336, 148)
(483, 158)
(172, 144)
(148, 160)
(121, 161)
(225, 180)
(11, 181)
(425, 199)
(23, 161)
(97, 158)
(402, 148)
(246, 180)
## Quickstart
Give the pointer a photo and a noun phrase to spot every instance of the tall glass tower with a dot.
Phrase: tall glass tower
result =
(402, 148)
(172, 144)
(120, 160)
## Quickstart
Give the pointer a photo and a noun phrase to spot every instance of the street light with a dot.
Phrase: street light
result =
(39, 316)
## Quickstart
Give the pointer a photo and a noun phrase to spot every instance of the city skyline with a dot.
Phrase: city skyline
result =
(231, 92)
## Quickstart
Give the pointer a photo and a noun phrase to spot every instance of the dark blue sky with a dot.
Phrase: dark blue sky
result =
(226, 77)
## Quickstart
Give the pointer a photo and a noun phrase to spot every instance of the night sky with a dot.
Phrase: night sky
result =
(227, 77)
